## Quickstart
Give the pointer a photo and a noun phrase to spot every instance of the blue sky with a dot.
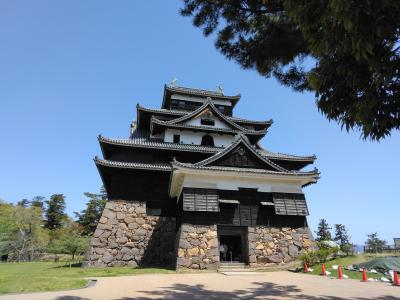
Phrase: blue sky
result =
(70, 70)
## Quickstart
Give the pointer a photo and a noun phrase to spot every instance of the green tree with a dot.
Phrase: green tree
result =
(69, 239)
(55, 212)
(341, 235)
(7, 227)
(74, 243)
(23, 202)
(90, 216)
(323, 233)
(347, 52)
(22, 233)
(55, 245)
(38, 201)
(374, 243)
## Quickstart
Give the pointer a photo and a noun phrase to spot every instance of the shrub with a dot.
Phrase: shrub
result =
(309, 257)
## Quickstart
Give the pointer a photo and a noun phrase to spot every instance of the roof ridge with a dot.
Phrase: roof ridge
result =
(285, 155)
(132, 165)
(183, 112)
(208, 102)
(159, 144)
(246, 131)
(199, 91)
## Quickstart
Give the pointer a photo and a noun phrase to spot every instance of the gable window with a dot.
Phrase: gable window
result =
(177, 138)
(207, 140)
(208, 122)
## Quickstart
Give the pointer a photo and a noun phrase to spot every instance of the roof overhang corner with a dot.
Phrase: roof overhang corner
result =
(176, 182)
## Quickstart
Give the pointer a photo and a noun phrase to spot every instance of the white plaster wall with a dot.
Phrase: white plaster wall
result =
(233, 183)
(158, 136)
(190, 137)
(218, 123)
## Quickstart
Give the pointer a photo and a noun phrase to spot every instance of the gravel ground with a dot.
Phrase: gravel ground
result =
(214, 286)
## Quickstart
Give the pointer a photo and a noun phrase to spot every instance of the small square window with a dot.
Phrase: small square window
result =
(207, 122)
(177, 138)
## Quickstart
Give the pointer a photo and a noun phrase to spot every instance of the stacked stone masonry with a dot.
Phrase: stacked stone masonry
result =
(127, 236)
(197, 247)
(271, 246)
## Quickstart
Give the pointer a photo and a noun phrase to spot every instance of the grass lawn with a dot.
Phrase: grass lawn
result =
(49, 276)
(346, 261)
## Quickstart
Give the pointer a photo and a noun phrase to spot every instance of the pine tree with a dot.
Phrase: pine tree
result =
(55, 212)
(341, 235)
(374, 243)
(323, 232)
(38, 201)
(90, 216)
(23, 203)
(346, 52)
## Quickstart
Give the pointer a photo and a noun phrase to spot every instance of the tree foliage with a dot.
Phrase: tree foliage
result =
(90, 216)
(341, 235)
(347, 52)
(55, 212)
(38, 201)
(21, 233)
(323, 232)
(23, 202)
(69, 239)
(374, 243)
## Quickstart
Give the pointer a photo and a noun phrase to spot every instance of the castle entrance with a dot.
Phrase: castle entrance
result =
(233, 243)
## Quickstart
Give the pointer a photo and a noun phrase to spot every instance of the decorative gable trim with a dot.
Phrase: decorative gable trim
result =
(240, 140)
(197, 112)
(202, 109)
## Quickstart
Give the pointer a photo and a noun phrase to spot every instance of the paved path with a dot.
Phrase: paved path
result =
(213, 286)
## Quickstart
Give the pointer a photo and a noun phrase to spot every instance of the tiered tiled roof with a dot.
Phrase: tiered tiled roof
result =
(247, 133)
(314, 172)
(160, 144)
(207, 105)
(179, 113)
(133, 165)
(155, 121)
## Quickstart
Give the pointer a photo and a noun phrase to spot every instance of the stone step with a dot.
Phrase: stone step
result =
(235, 270)
(233, 266)
(235, 273)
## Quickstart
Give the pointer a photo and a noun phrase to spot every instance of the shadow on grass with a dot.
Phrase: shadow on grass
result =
(79, 265)
(67, 265)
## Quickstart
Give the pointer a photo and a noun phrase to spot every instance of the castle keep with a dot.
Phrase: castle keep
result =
(192, 180)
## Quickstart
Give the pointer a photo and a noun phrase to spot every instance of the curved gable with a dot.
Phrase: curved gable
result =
(241, 154)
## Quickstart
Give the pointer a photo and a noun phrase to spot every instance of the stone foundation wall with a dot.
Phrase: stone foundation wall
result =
(125, 236)
(197, 247)
(271, 246)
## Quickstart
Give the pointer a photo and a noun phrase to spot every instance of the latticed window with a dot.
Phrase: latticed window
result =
(200, 200)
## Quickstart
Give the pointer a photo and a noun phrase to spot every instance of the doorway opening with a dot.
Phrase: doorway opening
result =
(232, 244)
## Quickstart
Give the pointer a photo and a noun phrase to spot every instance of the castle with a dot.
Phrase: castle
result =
(192, 188)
